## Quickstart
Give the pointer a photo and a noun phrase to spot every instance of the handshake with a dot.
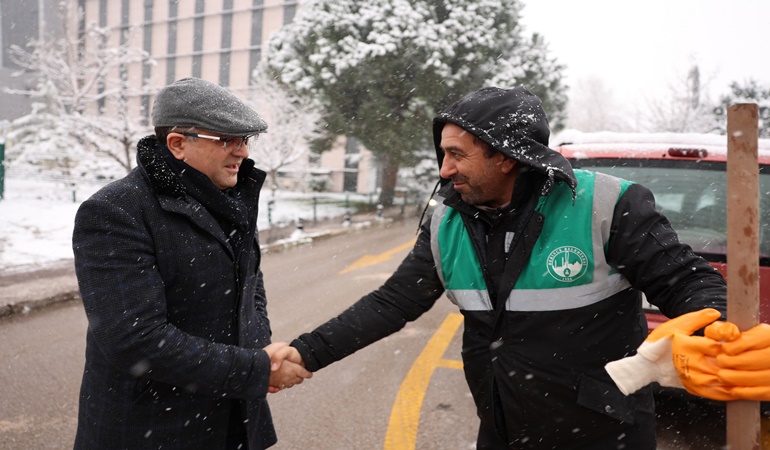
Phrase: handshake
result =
(724, 364)
(286, 367)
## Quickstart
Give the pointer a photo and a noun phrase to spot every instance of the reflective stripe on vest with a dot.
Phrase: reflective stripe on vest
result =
(567, 267)
(461, 273)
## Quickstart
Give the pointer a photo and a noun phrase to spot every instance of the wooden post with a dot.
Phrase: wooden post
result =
(743, 426)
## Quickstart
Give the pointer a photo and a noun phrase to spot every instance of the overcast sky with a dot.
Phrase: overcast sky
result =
(640, 47)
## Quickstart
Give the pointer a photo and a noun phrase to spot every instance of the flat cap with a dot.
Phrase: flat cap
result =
(193, 102)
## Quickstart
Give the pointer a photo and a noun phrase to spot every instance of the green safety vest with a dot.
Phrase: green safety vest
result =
(567, 268)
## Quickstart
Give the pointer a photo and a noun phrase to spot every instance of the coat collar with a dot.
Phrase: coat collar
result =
(173, 196)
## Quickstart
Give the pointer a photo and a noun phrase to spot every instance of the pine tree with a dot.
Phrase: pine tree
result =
(748, 92)
(382, 68)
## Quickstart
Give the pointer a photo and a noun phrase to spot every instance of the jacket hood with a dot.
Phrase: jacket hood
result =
(512, 122)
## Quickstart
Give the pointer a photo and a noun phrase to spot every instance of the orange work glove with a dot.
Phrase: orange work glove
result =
(695, 360)
(653, 360)
(745, 364)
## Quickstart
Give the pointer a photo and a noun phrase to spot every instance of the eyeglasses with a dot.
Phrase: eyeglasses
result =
(237, 142)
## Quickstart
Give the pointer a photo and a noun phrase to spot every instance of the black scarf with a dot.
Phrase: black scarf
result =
(226, 206)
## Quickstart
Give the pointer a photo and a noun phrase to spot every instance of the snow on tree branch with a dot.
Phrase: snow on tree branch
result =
(382, 68)
(81, 102)
(292, 124)
(750, 91)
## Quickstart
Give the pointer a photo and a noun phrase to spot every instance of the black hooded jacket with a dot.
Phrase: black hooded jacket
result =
(537, 377)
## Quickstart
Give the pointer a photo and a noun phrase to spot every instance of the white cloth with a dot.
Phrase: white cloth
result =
(652, 362)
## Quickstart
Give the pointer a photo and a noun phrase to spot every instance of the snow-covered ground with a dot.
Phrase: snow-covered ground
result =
(36, 217)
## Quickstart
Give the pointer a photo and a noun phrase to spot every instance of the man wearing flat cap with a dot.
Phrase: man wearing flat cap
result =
(178, 351)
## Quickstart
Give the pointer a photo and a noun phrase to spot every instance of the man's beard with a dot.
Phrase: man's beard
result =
(472, 194)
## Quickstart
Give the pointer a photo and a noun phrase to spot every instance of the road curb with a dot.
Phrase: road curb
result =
(24, 307)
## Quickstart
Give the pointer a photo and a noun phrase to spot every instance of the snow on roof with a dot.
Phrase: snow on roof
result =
(642, 140)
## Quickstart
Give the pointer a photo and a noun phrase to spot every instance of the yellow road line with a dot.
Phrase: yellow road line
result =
(451, 364)
(370, 260)
(405, 415)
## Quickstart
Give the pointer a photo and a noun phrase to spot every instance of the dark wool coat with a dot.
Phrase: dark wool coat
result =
(176, 320)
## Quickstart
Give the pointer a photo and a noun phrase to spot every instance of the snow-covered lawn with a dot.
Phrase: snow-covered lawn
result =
(36, 217)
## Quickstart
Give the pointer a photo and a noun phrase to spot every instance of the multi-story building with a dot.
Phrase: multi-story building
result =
(20, 22)
(218, 40)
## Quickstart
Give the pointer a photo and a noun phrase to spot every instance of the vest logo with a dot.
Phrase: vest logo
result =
(567, 264)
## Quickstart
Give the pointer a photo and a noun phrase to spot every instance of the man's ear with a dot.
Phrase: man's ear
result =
(176, 144)
(507, 165)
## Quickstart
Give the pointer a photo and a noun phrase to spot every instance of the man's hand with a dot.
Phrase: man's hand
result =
(653, 360)
(724, 364)
(745, 364)
(286, 367)
(288, 375)
(695, 360)
(280, 351)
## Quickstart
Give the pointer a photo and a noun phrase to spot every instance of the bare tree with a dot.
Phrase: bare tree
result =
(686, 109)
(594, 107)
(81, 92)
(292, 125)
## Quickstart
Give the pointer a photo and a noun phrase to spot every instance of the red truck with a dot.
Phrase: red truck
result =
(687, 174)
